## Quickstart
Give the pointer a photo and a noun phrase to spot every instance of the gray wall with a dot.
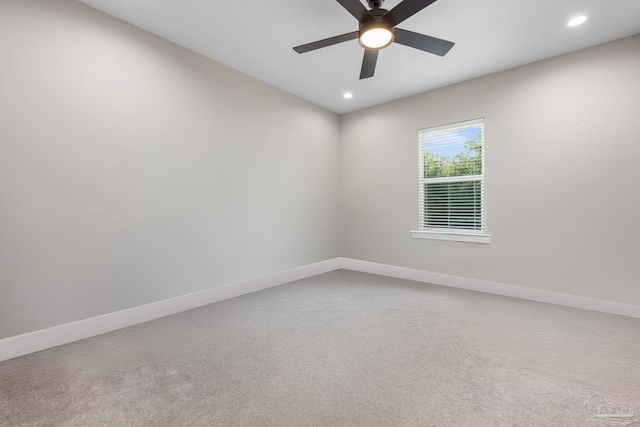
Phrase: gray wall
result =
(133, 170)
(562, 176)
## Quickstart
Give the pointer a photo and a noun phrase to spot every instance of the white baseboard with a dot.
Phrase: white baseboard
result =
(52, 337)
(21, 345)
(490, 287)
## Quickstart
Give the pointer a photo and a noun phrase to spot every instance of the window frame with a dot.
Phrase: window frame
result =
(450, 234)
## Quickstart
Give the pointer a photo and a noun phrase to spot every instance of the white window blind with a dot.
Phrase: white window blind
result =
(451, 179)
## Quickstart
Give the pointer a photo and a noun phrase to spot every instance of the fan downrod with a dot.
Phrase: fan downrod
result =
(375, 4)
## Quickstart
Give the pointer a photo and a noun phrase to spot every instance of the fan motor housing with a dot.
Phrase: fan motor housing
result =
(377, 17)
(377, 21)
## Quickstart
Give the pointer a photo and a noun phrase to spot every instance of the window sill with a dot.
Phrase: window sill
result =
(452, 236)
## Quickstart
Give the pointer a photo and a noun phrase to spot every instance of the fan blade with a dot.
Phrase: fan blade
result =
(420, 41)
(369, 63)
(356, 8)
(326, 42)
(405, 10)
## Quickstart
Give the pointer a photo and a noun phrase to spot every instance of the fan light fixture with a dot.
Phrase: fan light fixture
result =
(376, 36)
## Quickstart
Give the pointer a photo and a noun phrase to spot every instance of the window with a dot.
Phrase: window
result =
(451, 183)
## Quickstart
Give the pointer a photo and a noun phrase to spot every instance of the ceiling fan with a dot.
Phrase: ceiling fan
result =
(377, 31)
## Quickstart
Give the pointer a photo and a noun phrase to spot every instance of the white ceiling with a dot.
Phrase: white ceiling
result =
(256, 38)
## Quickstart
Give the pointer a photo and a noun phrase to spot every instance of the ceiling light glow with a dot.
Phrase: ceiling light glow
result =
(376, 37)
(347, 95)
(577, 21)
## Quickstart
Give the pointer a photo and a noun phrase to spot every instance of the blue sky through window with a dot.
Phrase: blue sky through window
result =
(450, 142)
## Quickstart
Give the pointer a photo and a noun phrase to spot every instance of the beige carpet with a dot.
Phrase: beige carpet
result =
(340, 349)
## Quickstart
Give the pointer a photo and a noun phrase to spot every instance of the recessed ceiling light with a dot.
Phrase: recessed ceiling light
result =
(577, 21)
(347, 95)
